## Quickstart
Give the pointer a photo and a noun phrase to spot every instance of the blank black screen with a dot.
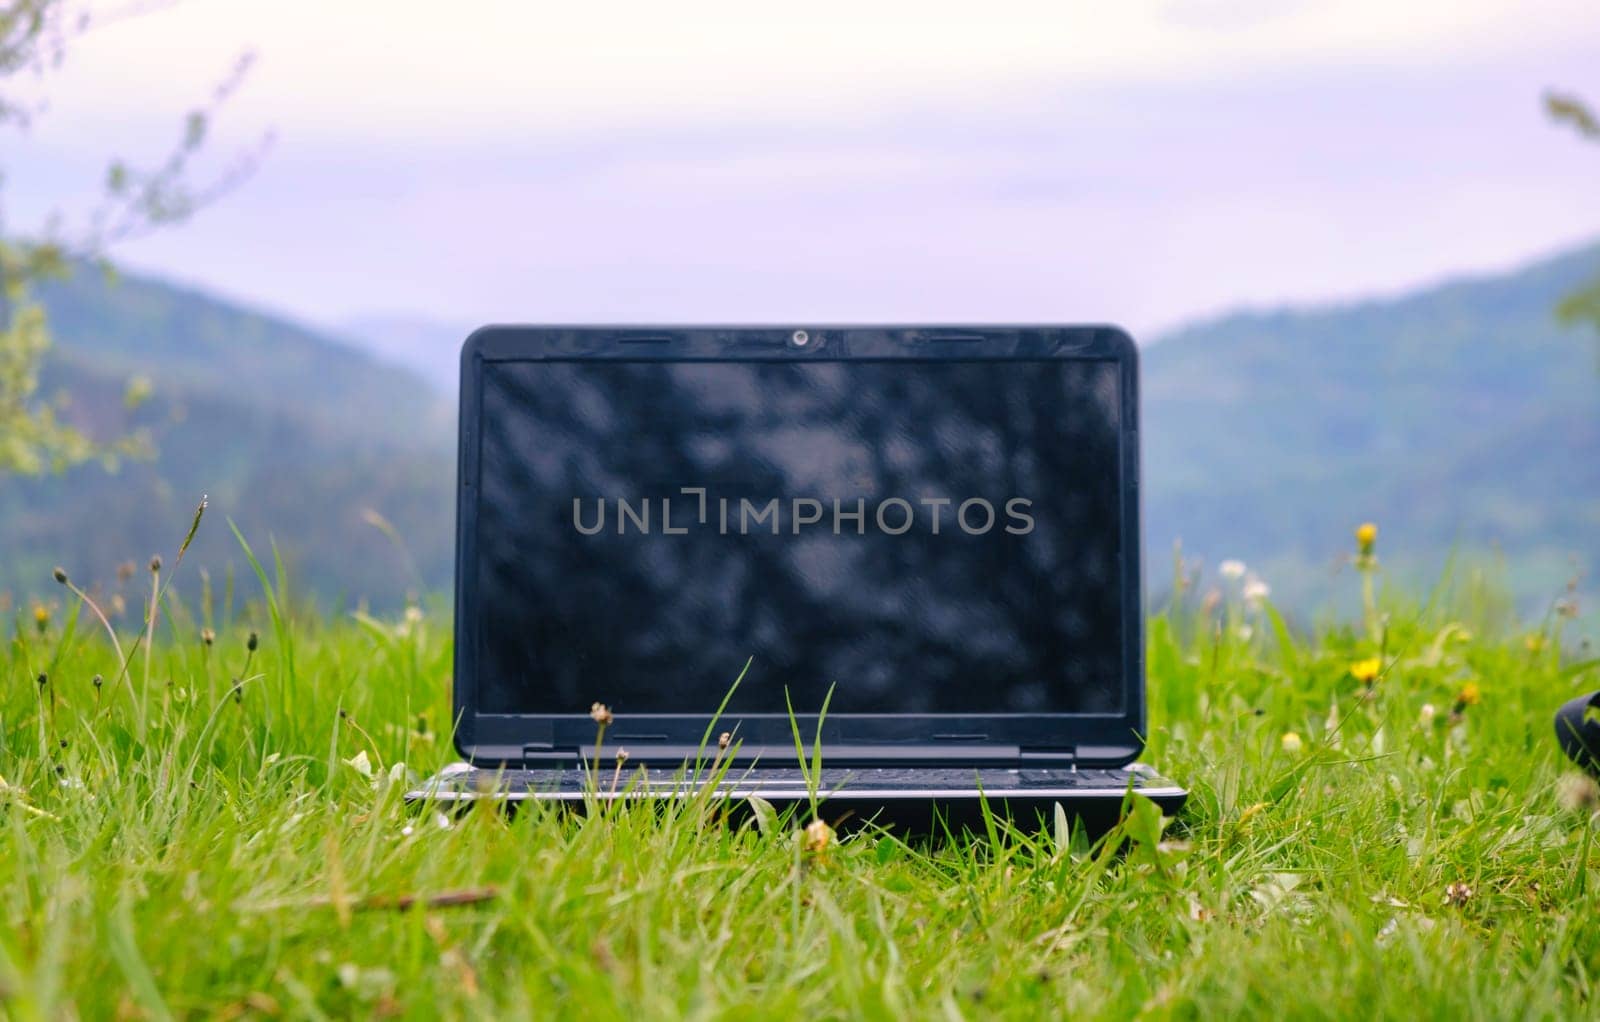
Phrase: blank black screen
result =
(928, 537)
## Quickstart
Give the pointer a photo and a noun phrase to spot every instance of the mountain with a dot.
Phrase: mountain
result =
(1460, 416)
(296, 437)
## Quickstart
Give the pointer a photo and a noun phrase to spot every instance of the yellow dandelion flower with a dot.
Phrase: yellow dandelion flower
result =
(1470, 695)
(1366, 537)
(41, 617)
(1291, 743)
(1367, 671)
(1534, 641)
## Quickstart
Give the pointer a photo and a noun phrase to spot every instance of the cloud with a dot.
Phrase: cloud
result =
(1105, 163)
(401, 70)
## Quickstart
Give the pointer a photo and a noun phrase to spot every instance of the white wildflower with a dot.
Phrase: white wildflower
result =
(1426, 714)
(1387, 932)
(361, 764)
(1231, 569)
(1578, 792)
(409, 623)
(1255, 591)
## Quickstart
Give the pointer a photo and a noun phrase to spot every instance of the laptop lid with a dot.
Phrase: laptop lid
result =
(939, 524)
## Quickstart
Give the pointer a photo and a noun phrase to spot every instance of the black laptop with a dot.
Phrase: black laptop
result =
(917, 546)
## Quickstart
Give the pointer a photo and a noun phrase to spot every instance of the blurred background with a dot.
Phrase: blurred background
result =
(241, 243)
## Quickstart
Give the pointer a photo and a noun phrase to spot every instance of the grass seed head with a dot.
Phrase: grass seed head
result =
(60, 575)
(817, 837)
(600, 713)
(252, 642)
(724, 740)
(155, 565)
(208, 636)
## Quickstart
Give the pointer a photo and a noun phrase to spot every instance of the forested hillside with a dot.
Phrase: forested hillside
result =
(1459, 417)
(294, 436)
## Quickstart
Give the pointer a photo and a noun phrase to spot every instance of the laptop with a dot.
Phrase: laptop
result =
(721, 556)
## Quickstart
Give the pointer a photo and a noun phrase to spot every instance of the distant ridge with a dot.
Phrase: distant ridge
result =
(1459, 416)
(293, 434)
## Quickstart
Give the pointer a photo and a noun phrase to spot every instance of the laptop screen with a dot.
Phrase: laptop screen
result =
(925, 537)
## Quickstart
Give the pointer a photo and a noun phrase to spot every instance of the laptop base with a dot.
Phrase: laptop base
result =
(919, 800)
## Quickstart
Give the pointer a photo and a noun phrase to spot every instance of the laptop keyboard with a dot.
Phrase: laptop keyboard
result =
(788, 779)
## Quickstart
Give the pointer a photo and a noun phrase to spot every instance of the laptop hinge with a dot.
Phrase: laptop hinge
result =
(543, 754)
(836, 754)
(842, 755)
(1049, 757)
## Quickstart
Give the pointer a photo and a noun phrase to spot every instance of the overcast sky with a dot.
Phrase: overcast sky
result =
(1135, 162)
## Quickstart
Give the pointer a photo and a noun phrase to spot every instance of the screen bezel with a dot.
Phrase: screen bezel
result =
(1099, 738)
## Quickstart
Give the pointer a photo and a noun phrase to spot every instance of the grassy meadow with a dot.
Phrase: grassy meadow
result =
(1380, 826)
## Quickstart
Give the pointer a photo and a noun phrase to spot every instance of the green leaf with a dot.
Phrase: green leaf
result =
(194, 129)
(125, 952)
(1286, 646)
(1145, 823)
(766, 815)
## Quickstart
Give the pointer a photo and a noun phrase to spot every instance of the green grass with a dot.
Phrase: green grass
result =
(232, 862)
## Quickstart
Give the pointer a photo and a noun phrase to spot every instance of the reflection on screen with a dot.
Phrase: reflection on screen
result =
(929, 537)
